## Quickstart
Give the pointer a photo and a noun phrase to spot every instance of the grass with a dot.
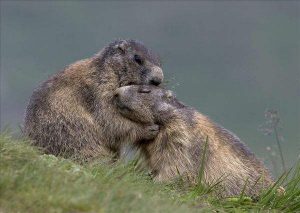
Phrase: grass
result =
(33, 182)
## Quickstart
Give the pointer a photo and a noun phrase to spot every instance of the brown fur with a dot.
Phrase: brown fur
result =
(180, 144)
(73, 113)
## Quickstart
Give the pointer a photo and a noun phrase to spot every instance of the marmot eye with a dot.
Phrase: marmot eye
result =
(138, 59)
(144, 90)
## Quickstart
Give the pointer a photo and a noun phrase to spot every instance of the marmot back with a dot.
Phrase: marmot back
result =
(180, 144)
(73, 112)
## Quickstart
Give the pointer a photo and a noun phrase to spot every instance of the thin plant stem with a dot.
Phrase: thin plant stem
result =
(274, 165)
(279, 147)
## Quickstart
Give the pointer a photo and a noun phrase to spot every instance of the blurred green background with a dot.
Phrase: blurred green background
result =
(231, 60)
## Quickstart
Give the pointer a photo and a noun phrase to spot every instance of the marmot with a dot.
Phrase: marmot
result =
(179, 146)
(73, 113)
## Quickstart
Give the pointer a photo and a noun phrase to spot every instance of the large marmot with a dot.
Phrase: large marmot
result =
(73, 113)
(179, 147)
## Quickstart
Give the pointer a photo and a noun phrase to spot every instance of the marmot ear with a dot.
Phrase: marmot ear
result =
(169, 94)
(121, 46)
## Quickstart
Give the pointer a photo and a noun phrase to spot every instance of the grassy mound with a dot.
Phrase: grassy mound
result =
(33, 182)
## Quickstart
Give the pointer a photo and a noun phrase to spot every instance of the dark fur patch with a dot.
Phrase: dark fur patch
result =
(140, 48)
(164, 142)
(189, 116)
(134, 47)
(39, 100)
(87, 97)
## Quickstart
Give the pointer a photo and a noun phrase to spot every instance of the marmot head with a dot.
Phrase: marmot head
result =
(146, 103)
(131, 62)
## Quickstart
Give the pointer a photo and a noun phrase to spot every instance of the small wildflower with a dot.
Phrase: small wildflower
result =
(272, 117)
(271, 121)
(271, 126)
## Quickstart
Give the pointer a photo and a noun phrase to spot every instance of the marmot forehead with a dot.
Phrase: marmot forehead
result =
(135, 47)
(153, 94)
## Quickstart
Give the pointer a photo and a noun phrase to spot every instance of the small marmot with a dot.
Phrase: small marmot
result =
(73, 113)
(179, 146)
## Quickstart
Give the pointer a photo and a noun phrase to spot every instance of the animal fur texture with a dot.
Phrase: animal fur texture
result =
(179, 146)
(73, 113)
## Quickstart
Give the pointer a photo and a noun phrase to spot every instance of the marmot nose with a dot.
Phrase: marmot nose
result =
(120, 91)
(155, 81)
(157, 76)
(116, 95)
